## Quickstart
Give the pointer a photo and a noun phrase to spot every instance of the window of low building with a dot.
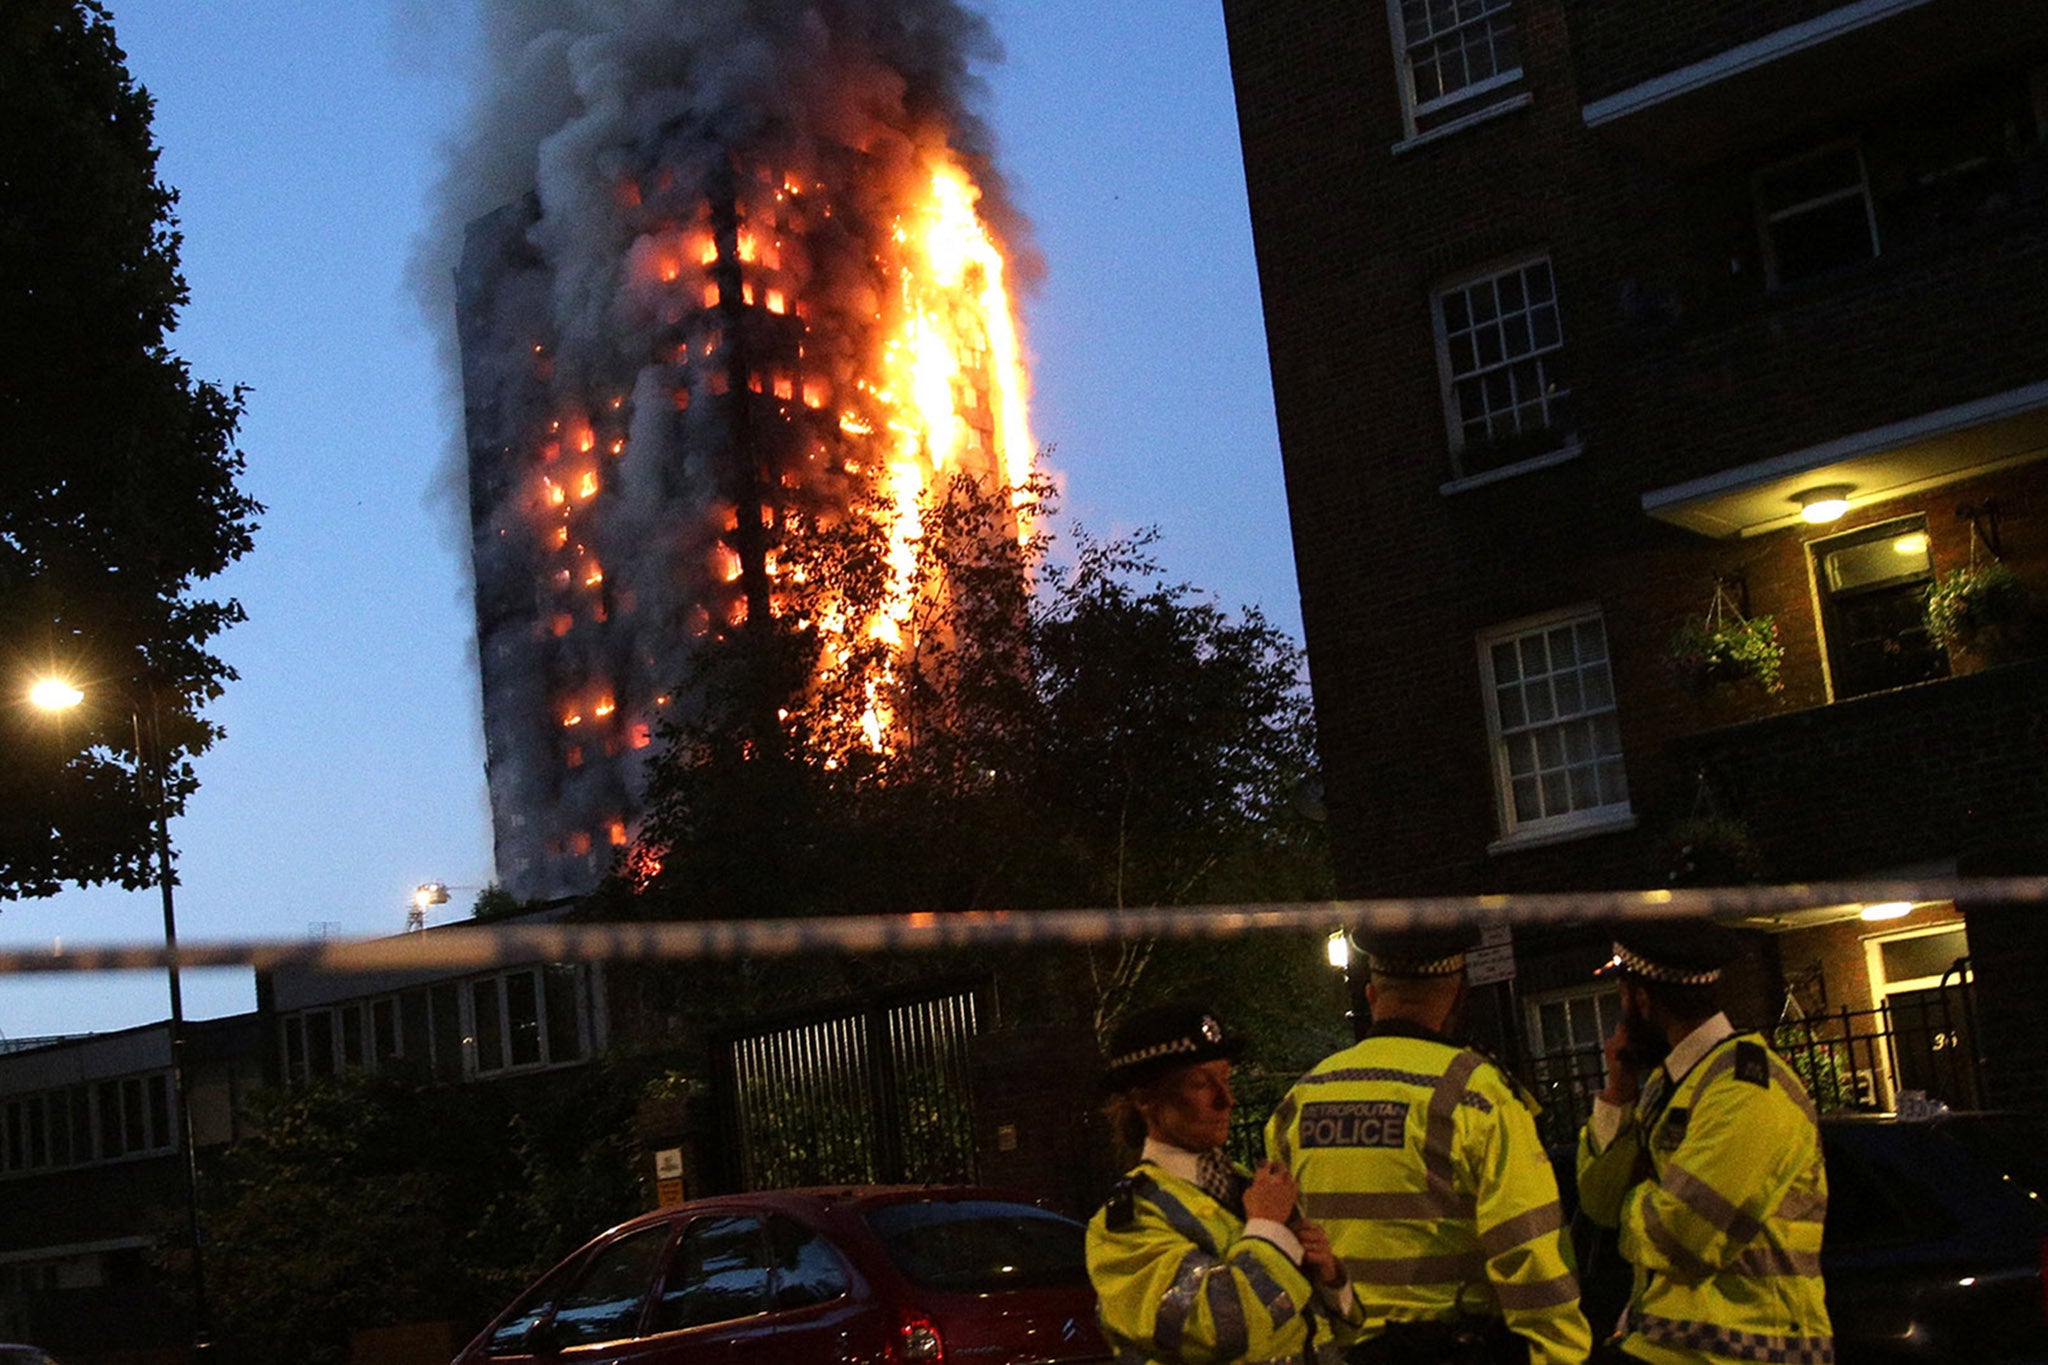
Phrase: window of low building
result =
(1500, 344)
(86, 1124)
(1815, 213)
(1453, 55)
(1873, 584)
(1556, 738)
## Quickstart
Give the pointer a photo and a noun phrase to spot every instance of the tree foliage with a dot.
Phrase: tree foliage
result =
(942, 737)
(371, 1200)
(118, 486)
(973, 726)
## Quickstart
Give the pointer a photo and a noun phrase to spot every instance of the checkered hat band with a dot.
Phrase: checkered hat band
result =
(1635, 964)
(1146, 1054)
(1397, 966)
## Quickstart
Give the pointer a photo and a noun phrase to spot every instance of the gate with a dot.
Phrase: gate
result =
(868, 1091)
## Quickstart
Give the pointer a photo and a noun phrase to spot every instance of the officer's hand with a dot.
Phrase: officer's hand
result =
(1271, 1194)
(1624, 1080)
(1316, 1254)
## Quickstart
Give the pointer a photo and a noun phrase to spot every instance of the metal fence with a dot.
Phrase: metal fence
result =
(871, 1091)
(1917, 1047)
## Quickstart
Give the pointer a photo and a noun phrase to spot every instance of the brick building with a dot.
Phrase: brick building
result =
(1579, 315)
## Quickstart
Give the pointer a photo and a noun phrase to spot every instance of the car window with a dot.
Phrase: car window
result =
(719, 1273)
(510, 1339)
(603, 1302)
(980, 1245)
(807, 1269)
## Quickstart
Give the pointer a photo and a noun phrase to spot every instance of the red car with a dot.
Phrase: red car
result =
(871, 1276)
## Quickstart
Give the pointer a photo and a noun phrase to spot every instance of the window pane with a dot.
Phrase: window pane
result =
(807, 1270)
(134, 1120)
(490, 1040)
(1585, 1024)
(522, 1012)
(1527, 806)
(564, 1038)
(1506, 667)
(1909, 959)
(1585, 789)
(1613, 783)
(1541, 706)
(1551, 1022)
(446, 1024)
(1599, 686)
(295, 1048)
(1549, 749)
(1535, 659)
(603, 1304)
(1522, 755)
(351, 1035)
(1557, 797)
(108, 1095)
(320, 1043)
(1512, 714)
(60, 1128)
(384, 1030)
(81, 1124)
(1570, 699)
(160, 1112)
(720, 1274)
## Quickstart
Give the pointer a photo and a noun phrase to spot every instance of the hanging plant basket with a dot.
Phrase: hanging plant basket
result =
(1975, 608)
(1724, 648)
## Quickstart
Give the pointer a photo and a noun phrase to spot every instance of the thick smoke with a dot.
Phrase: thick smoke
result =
(571, 206)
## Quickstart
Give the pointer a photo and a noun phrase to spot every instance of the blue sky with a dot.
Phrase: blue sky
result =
(305, 140)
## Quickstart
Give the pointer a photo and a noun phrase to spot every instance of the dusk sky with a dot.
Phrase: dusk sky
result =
(304, 141)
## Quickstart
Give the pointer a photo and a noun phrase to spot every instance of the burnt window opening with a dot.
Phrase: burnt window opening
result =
(1873, 587)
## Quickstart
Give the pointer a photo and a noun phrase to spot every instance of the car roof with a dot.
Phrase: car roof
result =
(829, 1198)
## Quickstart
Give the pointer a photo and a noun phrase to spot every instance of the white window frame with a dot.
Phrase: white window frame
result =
(1765, 219)
(1449, 376)
(365, 1010)
(586, 1023)
(1414, 108)
(1885, 1083)
(45, 1109)
(1517, 833)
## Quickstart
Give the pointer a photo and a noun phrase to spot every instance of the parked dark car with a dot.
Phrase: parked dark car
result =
(869, 1276)
(12, 1354)
(1936, 1238)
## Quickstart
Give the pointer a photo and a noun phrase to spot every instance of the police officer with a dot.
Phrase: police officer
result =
(1422, 1159)
(1193, 1259)
(1704, 1152)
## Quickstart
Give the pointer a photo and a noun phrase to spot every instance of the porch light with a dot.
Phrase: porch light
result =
(1888, 910)
(1825, 503)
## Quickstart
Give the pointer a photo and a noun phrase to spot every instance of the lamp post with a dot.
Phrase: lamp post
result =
(54, 694)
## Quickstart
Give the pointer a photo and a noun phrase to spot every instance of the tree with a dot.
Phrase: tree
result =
(949, 739)
(118, 489)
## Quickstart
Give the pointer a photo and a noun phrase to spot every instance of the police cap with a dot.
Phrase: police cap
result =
(1155, 1041)
(1416, 954)
(1679, 952)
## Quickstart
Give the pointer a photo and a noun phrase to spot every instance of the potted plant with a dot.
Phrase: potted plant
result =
(1725, 648)
(1976, 609)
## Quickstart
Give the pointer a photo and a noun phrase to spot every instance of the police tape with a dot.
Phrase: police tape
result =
(475, 946)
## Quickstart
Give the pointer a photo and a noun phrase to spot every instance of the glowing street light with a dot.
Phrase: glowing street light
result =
(56, 694)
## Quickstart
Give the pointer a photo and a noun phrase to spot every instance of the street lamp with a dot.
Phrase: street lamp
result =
(55, 694)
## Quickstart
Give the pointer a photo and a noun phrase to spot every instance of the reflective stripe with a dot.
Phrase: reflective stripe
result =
(1523, 1227)
(1789, 1082)
(1442, 1131)
(1368, 1073)
(1180, 1300)
(1457, 1267)
(1421, 1205)
(1758, 1262)
(1810, 1206)
(1673, 1248)
(1180, 1218)
(1226, 1310)
(1538, 1294)
(1710, 1204)
(1728, 1341)
(1280, 1305)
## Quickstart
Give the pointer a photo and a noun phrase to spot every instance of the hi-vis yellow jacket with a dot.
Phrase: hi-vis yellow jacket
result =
(1421, 1160)
(1724, 1231)
(1178, 1282)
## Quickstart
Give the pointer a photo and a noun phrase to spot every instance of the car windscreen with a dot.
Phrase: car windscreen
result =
(980, 1245)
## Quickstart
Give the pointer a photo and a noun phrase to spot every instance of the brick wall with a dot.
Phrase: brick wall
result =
(1678, 366)
(1618, 46)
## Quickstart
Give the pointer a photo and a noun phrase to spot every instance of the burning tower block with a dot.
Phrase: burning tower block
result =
(672, 354)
